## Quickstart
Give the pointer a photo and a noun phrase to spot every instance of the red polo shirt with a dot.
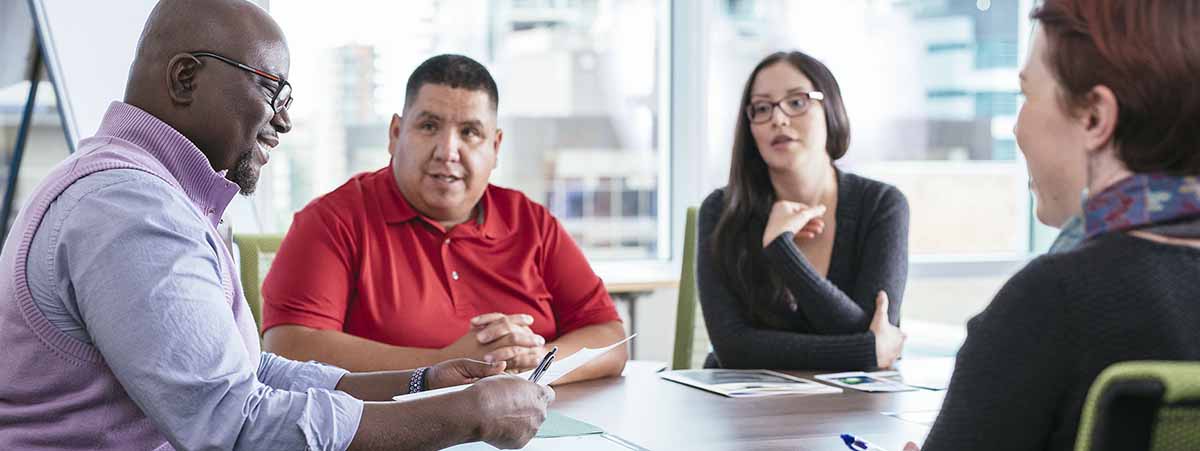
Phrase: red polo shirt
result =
(361, 260)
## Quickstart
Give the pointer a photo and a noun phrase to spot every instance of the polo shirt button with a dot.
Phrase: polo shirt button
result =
(454, 275)
(447, 241)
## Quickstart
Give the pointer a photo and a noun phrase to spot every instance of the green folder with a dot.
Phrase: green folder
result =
(559, 425)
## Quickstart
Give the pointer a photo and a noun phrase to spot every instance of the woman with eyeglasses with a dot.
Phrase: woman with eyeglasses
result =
(801, 265)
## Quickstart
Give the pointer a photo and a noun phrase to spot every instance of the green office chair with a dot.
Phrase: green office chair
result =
(691, 337)
(1149, 405)
(256, 253)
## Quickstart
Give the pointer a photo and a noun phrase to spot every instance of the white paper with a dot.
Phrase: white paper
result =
(428, 393)
(593, 442)
(558, 369)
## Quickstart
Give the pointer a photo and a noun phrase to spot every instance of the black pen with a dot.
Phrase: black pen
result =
(543, 366)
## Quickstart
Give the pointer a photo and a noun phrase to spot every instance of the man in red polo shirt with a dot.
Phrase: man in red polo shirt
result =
(424, 260)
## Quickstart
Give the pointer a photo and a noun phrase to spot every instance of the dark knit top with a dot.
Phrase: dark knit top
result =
(828, 328)
(1023, 374)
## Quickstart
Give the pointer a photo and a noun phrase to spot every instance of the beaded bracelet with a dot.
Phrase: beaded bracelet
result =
(416, 383)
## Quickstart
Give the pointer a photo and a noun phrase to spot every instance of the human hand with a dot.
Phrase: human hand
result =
(496, 337)
(889, 340)
(910, 446)
(787, 216)
(520, 355)
(510, 409)
(460, 371)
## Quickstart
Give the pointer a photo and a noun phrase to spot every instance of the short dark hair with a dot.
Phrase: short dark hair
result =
(1145, 51)
(455, 71)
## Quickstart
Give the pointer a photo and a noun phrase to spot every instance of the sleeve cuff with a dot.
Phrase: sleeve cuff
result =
(337, 431)
(274, 319)
(319, 375)
(291, 375)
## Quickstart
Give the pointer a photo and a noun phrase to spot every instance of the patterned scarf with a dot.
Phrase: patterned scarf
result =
(1069, 236)
(1140, 201)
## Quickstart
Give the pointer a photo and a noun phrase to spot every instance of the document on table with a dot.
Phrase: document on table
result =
(558, 369)
(559, 425)
(561, 368)
(877, 382)
(747, 383)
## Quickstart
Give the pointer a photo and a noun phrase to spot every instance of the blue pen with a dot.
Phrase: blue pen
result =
(858, 444)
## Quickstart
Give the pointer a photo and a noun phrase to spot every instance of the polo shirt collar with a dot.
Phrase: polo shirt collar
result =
(397, 210)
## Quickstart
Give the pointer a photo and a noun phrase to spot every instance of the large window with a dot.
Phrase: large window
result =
(932, 93)
(45, 143)
(585, 89)
(579, 103)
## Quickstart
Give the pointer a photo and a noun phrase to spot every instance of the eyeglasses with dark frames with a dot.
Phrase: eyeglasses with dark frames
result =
(760, 112)
(281, 99)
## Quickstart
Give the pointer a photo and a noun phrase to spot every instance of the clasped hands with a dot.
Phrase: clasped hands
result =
(497, 337)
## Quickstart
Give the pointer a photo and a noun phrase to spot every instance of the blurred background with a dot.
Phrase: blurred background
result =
(619, 114)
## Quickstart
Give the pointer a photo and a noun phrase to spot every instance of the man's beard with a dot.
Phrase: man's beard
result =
(243, 174)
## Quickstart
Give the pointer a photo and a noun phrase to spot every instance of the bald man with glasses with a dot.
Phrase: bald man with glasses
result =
(122, 322)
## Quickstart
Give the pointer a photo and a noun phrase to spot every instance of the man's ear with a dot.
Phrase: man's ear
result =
(496, 145)
(394, 133)
(394, 126)
(181, 78)
(1100, 118)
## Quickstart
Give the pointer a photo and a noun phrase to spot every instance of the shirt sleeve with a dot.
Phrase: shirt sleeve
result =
(1012, 371)
(579, 298)
(311, 277)
(738, 343)
(883, 266)
(286, 374)
(145, 274)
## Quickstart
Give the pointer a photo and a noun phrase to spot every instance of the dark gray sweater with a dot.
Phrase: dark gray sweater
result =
(1022, 375)
(828, 330)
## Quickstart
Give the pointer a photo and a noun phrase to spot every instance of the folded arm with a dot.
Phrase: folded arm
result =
(882, 266)
(741, 344)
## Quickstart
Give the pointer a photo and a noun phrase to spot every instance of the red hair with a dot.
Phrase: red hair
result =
(1148, 53)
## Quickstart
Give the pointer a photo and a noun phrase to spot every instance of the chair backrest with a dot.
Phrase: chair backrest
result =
(256, 253)
(691, 338)
(1151, 405)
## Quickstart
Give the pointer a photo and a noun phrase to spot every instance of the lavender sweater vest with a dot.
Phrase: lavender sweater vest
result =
(55, 391)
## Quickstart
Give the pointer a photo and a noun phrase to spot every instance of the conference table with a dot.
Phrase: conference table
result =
(658, 414)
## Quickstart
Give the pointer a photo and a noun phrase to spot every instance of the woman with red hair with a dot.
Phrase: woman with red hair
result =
(1111, 83)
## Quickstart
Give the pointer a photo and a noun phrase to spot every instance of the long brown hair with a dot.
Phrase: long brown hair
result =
(737, 243)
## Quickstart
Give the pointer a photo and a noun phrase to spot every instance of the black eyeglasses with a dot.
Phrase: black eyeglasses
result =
(281, 99)
(794, 105)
